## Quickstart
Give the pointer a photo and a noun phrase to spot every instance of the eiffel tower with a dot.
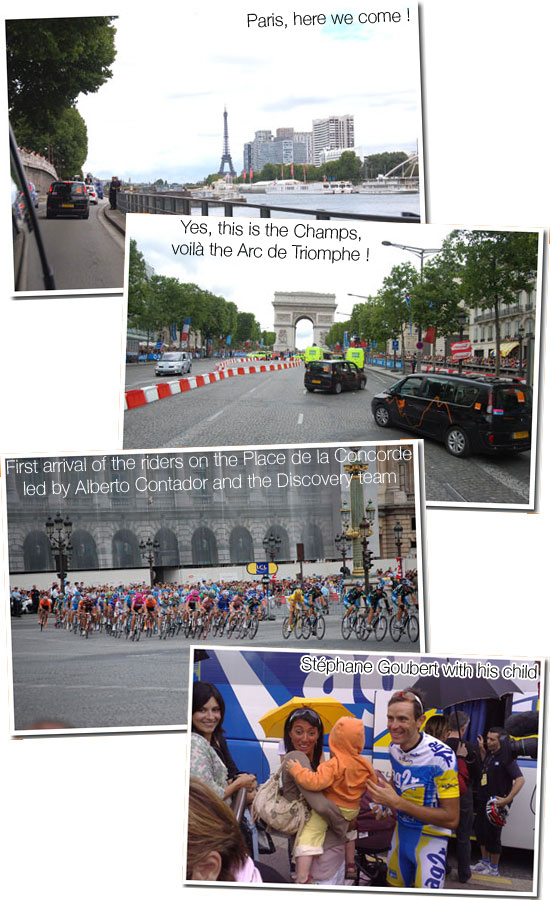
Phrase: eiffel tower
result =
(226, 156)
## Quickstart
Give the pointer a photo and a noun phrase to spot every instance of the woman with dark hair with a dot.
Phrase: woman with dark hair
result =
(303, 741)
(211, 761)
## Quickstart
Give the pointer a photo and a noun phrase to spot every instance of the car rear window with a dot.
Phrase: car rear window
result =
(513, 398)
(71, 188)
(318, 365)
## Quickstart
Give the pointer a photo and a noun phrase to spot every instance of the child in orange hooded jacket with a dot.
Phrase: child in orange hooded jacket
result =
(343, 779)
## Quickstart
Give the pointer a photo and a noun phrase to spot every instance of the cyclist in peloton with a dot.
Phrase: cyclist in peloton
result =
(374, 599)
(294, 600)
(352, 600)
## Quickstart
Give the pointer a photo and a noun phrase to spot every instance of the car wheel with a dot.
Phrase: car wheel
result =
(382, 416)
(362, 384)
(457, 442)
(337, 387)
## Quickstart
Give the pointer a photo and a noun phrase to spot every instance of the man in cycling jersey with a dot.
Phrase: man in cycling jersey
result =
(294, 600)
(375, 600)
(425, 794)
(352, 600)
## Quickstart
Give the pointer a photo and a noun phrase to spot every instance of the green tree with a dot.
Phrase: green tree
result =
(248, 329)
(268, 338)
(335, 334)
(65, 144)
(51, 61)
(438, 299)
(139, 289)
(393, 313)
(496, 267)
(380, 163)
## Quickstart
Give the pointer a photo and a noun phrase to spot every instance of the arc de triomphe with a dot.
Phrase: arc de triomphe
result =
(290, 307)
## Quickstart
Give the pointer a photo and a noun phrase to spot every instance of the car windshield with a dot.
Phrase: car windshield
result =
(514, 398)
(171, 357)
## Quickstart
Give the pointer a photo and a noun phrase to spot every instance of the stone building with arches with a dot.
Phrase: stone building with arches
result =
(113, 511)
(289, 308)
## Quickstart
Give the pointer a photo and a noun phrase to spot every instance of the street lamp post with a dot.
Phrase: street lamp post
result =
(272, 543)
(59, 536)
(521, 332)
(398, 532)
(343, 540)
(148, 549)
(421, 252)
(462, 319)
(365, 531)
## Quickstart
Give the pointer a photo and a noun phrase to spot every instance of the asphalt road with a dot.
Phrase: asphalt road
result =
(85, 254)
(103, 682)
(275, 408)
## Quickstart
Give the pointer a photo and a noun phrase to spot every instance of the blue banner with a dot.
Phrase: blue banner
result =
(228, 339)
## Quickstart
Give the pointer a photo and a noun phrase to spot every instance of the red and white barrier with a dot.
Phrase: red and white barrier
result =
(142, 396)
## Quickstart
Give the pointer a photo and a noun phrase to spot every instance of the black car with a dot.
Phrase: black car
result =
(334, 375)
(68, 198)
(469, 413)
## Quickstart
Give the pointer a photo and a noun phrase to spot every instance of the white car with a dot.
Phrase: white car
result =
(92, 193)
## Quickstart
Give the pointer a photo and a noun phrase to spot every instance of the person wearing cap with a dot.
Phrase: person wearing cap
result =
(424, 793)
(501, 780)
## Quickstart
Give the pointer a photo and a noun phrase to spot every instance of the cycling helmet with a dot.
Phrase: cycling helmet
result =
(497, 815)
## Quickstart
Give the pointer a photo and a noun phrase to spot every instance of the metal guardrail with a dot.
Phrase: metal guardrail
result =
(172, 205)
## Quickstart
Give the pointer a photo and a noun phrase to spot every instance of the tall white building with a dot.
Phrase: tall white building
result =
(332, 133)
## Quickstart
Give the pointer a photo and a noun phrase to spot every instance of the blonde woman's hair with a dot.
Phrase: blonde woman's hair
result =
(212, 826)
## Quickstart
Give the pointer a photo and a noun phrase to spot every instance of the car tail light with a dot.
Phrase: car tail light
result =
(491, 438)
(51, 189)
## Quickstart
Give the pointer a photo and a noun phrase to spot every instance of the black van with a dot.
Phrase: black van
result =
(334, 375)
(67, 198)
(469, 413)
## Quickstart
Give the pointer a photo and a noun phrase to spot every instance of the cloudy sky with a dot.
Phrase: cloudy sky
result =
(251, 283)
(161, 115)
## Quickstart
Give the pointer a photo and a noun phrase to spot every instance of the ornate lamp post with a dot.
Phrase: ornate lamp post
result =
(272, 545)
(398, 532)
(148, 549)
(365, 531)
(343, 540)
(59, 536)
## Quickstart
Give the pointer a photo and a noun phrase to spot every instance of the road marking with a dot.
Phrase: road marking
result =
(215, 416)
(251, 391)
(300, 418)
(455, 493)
(507, 480)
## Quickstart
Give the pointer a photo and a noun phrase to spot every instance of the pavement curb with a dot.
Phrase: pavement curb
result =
(141, 396)
(116, 218)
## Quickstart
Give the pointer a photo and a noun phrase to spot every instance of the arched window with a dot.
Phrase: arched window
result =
(168, 552)
(241, 546)
(204, 547)
(126, 553)
(84, 555)
(37, 553)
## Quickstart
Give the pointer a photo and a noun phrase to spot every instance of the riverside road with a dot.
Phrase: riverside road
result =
(275, 408)
(85, 254)
(103, 682)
